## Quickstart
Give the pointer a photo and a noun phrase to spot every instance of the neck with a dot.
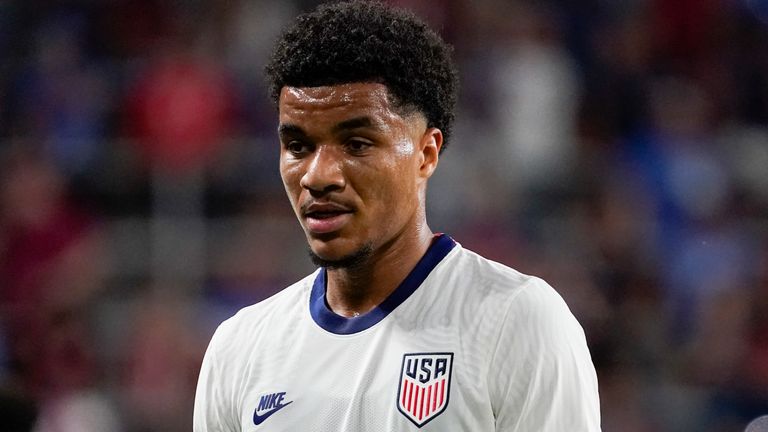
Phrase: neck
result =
(356, 290)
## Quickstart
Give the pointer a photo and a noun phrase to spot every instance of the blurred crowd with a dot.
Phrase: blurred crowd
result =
(618, 149)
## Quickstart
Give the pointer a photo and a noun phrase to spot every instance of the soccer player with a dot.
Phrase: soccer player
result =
(399, 329)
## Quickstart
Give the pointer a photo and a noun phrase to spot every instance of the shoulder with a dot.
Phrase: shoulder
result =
(487, 278)
(250, 321)
(540, 372)
(522, 305)
(494, 301)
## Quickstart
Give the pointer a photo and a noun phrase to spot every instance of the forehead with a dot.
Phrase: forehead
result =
(336, 101)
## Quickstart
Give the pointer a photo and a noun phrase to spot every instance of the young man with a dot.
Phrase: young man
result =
(399, 329)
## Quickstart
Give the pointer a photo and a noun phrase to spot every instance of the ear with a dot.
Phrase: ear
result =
(430, 145)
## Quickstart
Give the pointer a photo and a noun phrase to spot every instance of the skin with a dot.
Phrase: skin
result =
(355, 169)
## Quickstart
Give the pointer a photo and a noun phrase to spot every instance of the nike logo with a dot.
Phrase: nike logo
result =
(272, 403)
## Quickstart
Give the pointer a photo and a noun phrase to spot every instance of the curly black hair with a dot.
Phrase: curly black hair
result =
(363, 41)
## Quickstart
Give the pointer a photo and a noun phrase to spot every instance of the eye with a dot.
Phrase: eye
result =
(357, 145)
(298, 148)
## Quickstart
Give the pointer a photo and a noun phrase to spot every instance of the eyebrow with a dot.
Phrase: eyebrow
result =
(290, 129)
(346, 125)
(355, 123)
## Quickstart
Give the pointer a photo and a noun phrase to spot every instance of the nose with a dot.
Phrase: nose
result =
(324, 173)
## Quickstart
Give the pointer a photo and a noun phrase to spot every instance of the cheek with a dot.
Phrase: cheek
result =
(394, 185)
(291, 176)
(404, 150)
(405, 171)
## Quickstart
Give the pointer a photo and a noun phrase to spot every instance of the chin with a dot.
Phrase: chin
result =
(326, 255)
(329, 246)
(330, 250)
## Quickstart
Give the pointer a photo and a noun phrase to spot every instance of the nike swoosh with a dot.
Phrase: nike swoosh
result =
(259, 419)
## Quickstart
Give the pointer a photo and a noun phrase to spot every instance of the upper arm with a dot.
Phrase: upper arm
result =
(213, 409)
(544, 379)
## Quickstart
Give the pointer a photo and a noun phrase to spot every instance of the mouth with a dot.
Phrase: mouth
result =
(325, 214)
(326, 218)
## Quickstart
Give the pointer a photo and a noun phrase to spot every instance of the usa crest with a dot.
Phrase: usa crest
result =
(425, 383)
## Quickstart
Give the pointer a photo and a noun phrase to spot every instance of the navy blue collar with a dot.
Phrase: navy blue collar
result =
(330, 321)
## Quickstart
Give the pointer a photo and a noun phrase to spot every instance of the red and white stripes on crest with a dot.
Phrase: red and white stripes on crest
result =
(420, 401)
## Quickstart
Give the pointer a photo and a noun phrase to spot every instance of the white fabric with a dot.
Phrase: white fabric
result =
(520, 360)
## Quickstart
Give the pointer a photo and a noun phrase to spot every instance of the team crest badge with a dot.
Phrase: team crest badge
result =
(425, 383)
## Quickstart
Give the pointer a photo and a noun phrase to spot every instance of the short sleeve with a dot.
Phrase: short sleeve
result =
(541, 375)
(213, 410)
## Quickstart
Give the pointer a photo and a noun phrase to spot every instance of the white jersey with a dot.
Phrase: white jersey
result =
(463, 344)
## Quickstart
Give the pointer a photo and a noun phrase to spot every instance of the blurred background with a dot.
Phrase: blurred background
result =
(619, 149)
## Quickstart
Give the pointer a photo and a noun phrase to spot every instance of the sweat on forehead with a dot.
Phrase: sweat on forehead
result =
(373, 94)
(343, 107)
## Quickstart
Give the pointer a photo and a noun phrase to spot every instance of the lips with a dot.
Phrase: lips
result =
(324, 218)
